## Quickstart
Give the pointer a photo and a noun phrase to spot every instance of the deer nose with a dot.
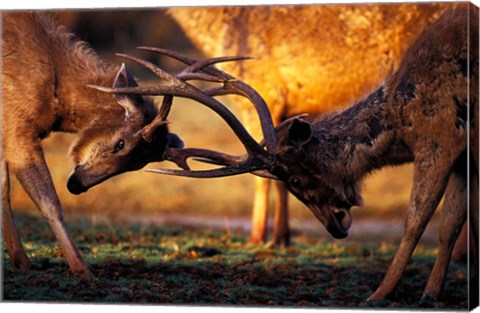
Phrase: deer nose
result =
(75, 186)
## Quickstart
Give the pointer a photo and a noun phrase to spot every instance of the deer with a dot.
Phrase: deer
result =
(362, 43)
(425, 113)
(44, 76)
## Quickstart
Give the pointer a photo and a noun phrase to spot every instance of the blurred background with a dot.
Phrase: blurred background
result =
(220, 203)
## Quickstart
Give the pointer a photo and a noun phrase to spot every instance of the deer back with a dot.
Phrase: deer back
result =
(309, 58)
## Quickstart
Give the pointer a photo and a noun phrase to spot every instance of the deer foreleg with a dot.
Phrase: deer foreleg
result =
(454, 214)
(429, 184)
(10, 233)
(281, 230)
(35, 178)
(258, 232)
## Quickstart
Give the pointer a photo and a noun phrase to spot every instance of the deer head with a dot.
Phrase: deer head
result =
(111, 146)
(308, 174)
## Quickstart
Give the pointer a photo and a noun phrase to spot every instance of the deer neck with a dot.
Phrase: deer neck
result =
(77, 104)
(360, 138)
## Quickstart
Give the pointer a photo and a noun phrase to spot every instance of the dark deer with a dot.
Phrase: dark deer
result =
(348, 50)
(44, 76)
(421, 114)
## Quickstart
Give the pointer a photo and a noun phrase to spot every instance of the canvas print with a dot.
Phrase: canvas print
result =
(281, 156)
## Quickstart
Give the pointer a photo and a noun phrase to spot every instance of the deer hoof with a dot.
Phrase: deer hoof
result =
(83, 274)
(428, 301)
(21, 261)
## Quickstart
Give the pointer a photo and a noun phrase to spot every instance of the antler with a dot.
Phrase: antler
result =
(231, 85)
(257, 158)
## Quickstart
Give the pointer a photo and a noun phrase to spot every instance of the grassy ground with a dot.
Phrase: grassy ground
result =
(145, 263)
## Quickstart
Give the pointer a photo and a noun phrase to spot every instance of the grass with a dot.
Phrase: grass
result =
(145, 263)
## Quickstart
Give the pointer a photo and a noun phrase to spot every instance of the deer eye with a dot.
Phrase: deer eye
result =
(294, 182)
(119, 145)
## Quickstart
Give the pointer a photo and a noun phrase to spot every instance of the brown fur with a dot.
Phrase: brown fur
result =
(44, 76)
(421, 115)
(308, 58)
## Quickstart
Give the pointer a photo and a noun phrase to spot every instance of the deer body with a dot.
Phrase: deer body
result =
(44, 76)
(420, 115)
(308, 59)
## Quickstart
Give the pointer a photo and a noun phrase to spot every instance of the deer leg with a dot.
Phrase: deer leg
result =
(460, 251)
(281, 230)
(258, 232)
(33, 174)
(10, 232)
(454, 214)
(468, 238)
(430, 180)
(261, 203)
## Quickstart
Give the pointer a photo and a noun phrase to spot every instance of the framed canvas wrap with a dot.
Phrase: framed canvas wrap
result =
(274, 156)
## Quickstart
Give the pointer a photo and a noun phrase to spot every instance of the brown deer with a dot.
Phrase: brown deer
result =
(423, 113)
(311, 59)
(44, 76)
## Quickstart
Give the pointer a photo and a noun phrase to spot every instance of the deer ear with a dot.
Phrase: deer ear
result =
(131, 103)
(174, 141)
(299, 132)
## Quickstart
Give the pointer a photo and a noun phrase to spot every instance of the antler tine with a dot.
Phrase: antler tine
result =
(180, 157)
(237, 164)
(232, 86)
(222, 172)
(201, 64)
(160, 118)
(166, 107)
(191, 72)
(154, 68)
(196, 65)
(173, 54)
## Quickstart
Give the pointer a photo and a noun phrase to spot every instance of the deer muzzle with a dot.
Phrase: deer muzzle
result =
(82, 179)
(75, 186)
(339, 223)
(343, 217)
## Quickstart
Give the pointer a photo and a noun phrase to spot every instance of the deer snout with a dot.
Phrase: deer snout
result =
(340, 222)
(75, 186)
(343, 217)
